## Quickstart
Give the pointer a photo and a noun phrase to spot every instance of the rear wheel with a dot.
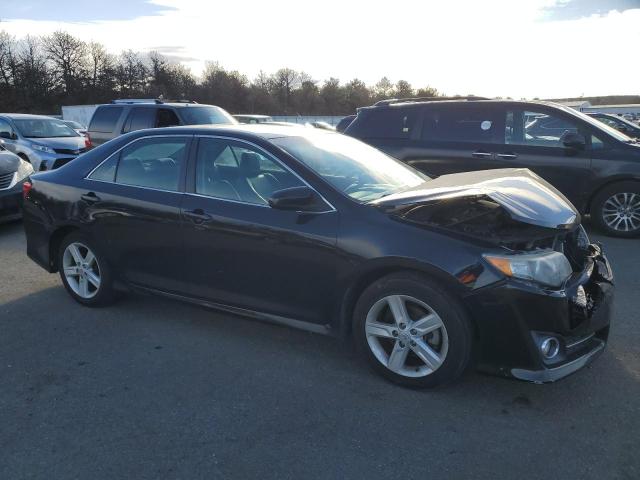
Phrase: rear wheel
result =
(84, 271)
(412, 332)
(616, 209)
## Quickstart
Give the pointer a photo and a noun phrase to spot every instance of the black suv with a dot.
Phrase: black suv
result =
(595, 166)
(123, 116)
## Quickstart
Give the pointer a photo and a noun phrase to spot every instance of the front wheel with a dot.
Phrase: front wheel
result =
(616, 209)
(412, 332)
(84, 271)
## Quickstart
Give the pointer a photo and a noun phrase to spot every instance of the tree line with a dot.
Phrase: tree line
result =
(40, 74)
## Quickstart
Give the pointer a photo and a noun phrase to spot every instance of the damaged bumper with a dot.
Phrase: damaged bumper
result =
(519, 317)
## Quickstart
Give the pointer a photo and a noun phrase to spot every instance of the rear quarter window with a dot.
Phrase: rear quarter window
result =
(105, 119)
(386, 122)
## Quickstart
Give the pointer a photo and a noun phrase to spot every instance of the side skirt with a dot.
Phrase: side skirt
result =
(265, 317)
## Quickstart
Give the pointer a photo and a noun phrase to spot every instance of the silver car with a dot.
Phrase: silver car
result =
(13, 171)
(45, 142)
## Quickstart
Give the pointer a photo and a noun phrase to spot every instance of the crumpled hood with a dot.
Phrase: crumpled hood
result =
(8, 162)
(523, 194)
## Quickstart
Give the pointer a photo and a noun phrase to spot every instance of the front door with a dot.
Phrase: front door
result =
(241, 252)
(534, 140)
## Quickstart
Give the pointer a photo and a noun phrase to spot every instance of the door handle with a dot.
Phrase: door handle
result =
(481, 154)
(197, 215)
(90, 198)
(508, 156)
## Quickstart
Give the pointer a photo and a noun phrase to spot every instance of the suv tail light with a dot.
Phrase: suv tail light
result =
(26, 188)
(87, 140)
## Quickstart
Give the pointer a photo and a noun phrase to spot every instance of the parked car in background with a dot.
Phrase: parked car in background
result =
(123, 116)
(621, 124)
(320, 231)
(344, 123)
(250, 118)
(45, 142)
(79, 128)
(322, 126)
(593, 165)
(13, 171)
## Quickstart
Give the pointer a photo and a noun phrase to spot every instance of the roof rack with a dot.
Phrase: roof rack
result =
(157, 101)
(426, 99)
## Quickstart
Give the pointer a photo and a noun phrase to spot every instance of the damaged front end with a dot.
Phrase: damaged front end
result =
(548, 291)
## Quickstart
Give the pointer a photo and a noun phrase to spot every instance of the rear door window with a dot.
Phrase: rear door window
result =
(105, 119)
(462, 123)
(152, 163)
(139, 118)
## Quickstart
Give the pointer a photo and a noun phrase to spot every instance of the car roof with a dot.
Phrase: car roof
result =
(26, 116)
(260, 130)
(156, 105)
(464, 101)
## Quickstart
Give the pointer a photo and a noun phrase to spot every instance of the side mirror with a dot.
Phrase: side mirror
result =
(574, 141)
(302, 199)
(8, 135)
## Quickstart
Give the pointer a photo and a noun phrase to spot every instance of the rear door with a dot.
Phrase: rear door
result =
(132, 204)
(105, 124)
(452, 138)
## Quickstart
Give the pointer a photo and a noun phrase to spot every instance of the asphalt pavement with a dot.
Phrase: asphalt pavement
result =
(152, 388)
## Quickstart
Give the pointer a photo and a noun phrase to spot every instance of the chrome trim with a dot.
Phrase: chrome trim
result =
(86, 177)
(137, 186)
(267, 154)
(12, 183)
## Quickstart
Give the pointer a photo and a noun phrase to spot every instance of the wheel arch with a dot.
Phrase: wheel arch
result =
(377, 270)
(54, 244)
(607, 184)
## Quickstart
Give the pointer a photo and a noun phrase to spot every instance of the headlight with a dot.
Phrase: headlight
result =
(24, 170)
(42, 148)
(547, 268)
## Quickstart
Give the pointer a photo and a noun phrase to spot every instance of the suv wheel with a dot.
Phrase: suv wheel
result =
(616, 209)
(84, 271)
(412, 332)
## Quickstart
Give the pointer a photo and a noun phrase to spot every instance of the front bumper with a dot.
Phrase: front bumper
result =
(11, 203)
(42, 161)
(513, 318)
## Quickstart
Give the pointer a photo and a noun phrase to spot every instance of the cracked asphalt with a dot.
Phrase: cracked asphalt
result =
(151, 388)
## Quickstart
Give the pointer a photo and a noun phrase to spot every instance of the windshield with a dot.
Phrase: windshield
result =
(43, 128)
(205, 116)
(352, 167)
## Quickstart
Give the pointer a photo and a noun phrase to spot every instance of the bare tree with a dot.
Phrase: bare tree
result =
(67, 53)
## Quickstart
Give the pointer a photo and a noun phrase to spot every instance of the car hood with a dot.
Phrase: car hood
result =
(524, 195)
(68, 143)
(8, 162)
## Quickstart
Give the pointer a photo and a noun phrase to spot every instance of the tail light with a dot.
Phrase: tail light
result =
(26, 188)
(87, 141)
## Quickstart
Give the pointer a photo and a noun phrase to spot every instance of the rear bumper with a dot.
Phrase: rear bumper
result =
(11, 203)
(513, 318)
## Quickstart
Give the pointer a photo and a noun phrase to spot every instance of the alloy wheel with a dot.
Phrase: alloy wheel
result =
(406, 335)
(81, 270)
(621, 212)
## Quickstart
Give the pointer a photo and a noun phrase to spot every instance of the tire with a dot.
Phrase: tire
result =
(616, 209)
(86, 271)
(379, 336)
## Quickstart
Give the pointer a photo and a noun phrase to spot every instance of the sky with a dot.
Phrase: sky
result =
(514, 48)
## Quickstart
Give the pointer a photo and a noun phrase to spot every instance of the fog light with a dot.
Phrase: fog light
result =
(550, 347)
(580, 298)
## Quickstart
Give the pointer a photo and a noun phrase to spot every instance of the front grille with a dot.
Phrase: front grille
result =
(60, 162)
(5, 180)
(67, 151)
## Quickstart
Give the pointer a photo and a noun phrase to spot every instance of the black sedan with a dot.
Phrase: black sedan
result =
(319, 231)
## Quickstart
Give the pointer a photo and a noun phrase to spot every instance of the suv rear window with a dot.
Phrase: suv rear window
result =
(105, 119)
(387, 122)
